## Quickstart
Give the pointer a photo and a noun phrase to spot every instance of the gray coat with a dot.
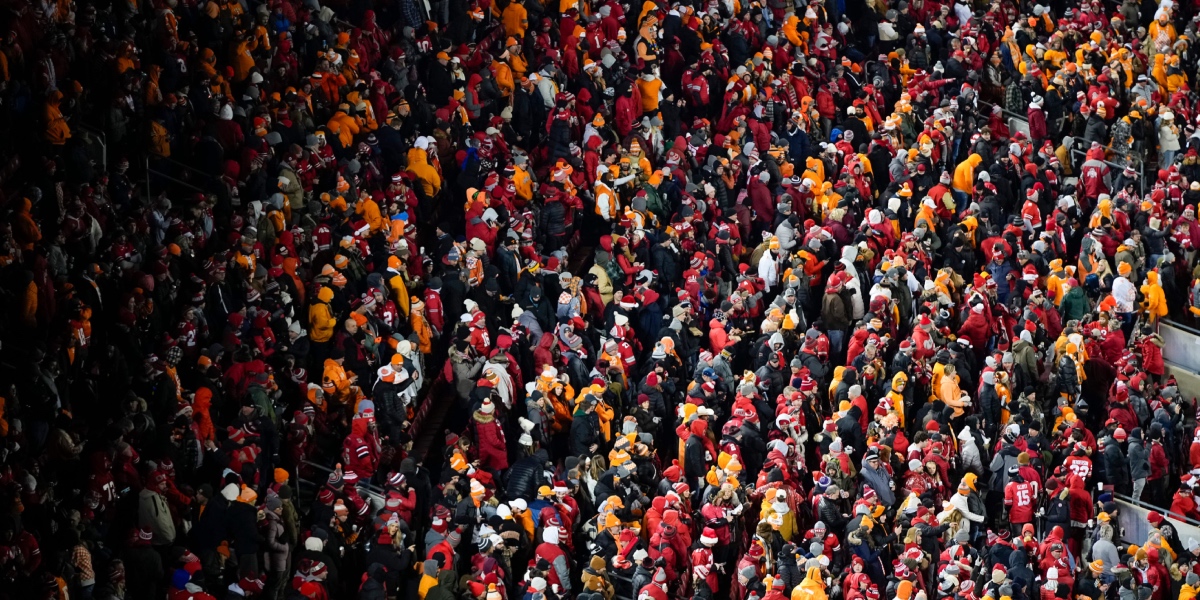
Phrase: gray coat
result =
(1139, 460)
(154, 514)
(466, 371)
(1103, 549)
(275, 552)
(1003, 459)
(880, 480)
(786, 233)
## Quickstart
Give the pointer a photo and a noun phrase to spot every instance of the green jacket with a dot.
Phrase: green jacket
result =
(446, 587)
(1074, 305)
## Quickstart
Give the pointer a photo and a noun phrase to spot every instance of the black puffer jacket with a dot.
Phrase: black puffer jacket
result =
(373, 588)
(526, 475)
(786, 568)
(554, 216)
(1116, 467)
(585, 431)
(831, 515)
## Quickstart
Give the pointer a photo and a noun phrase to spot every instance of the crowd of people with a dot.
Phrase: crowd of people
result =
(513, 300)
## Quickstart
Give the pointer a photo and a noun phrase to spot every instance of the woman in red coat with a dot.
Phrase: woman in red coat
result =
(1037, 120)
(1152, 356)
(976, 327)
(489, 436)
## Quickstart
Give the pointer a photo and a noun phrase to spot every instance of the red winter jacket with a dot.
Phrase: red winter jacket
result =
(1079, 499)
(825, 104)
(761, 201)
(1152, 358)
(1037, 124)
(493, 451)
(976, 329)
(626, 113)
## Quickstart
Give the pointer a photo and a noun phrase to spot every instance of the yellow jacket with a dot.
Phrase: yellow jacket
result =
(335, 379)
(1156, 28)
(160, 140)
(400, 292)
(950, 394)
(418, 164)
(519, 66)
(369, 209)
(57, 130)
(789, 528)
(320, 317)
(896, 396)
(1175, 81)
(345, 126)
(812, 588)
(427, 583)
(504, 78)
(366, 119)
(791, 30)
(1188, 592)
(1054, 282)
(516, 20)
(838, 374)
(1055, 56)
(523, 182)
(421, 327)
(1156, 300)
(1159, 70)
(964, 174)
(605, 414)
(242, 60)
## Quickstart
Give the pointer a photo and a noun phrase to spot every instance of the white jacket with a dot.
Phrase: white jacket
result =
(968, 451)
(768, 270)
(1168, 139)
(887, 32)
(959, 502)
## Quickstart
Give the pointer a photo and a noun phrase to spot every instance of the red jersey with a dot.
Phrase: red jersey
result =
(1079, 465)
(1019, 497)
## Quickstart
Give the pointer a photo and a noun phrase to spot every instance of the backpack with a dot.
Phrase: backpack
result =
(614, 271)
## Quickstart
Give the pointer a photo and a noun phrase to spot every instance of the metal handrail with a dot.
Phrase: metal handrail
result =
(618, 577)
(371, 490)
(1141, 168)
(100, 135)
(1166, 512)
(1005, 111)
(174, 180)
(187, 167)
(1078, 142)
(1178, 325)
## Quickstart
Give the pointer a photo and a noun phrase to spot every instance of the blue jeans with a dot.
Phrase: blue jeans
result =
(836, 337)
(961, 200)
